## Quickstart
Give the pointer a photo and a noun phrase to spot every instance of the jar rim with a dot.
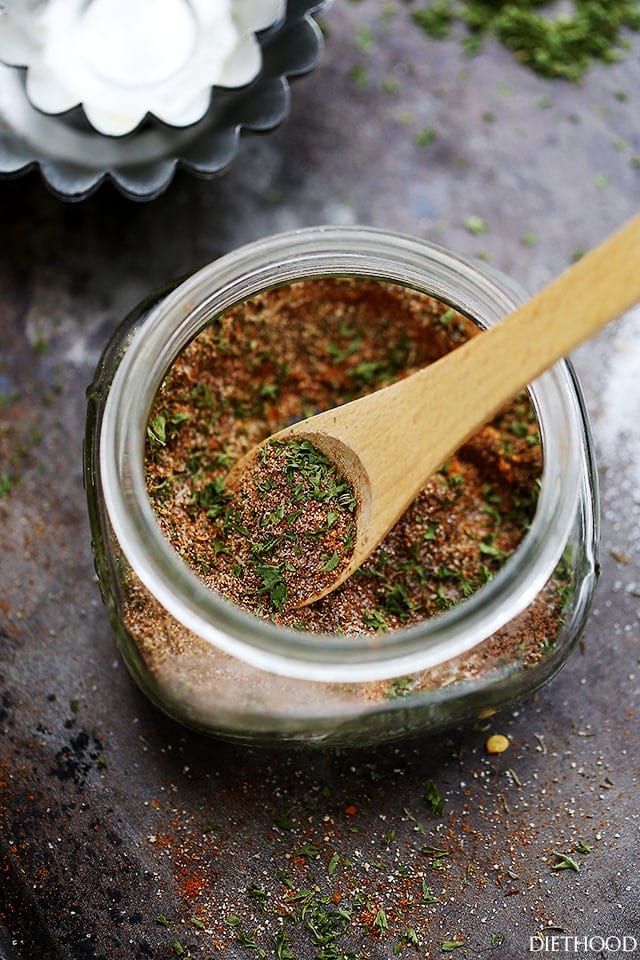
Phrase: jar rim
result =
(365, 252)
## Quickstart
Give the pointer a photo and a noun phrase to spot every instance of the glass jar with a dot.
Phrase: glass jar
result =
(220, 670)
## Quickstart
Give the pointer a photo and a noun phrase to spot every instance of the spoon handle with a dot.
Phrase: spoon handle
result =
(446, 402)
(601, 286)
(391, 441)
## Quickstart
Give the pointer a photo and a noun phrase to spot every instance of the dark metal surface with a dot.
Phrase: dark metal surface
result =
(125, 836)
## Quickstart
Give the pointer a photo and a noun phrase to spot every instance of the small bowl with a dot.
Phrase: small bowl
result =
(74, 158)
(122, 60)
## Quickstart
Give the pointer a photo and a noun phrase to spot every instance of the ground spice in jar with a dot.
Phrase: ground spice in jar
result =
(291, 352)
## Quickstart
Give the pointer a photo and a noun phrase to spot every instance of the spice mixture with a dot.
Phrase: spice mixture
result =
(289, 353)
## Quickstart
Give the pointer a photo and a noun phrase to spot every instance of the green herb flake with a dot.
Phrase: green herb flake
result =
(247, 940)
(427, 896)
(358, 75)
(157, 430)
(380, 921)
(400, 687)
(273, 583)
(565, 862)
(436, 20)
(410, 936)
(475, 224)
(258, 893)
(425, 137)
(286, 823)
(433, 798)
(391, 86)
(5, 484)
(375, 619)
(309, 851)
(331, 563)
(281, 942)
(364, 40)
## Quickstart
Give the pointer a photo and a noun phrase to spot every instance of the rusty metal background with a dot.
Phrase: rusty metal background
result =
(124, 836)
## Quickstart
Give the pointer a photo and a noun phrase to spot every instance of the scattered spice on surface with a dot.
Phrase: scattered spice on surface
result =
(321, 883)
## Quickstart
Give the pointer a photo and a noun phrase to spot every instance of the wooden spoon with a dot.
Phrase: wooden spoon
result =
(387, 444)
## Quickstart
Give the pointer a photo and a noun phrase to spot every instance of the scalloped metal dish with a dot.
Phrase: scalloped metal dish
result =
(74, 160)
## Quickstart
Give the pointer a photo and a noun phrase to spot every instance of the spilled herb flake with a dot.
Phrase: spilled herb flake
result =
(554, 44)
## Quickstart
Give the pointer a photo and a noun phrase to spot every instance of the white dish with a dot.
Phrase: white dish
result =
(124, 59)
(74, 159)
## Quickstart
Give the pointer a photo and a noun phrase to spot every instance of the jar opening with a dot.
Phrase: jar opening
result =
(275, 262)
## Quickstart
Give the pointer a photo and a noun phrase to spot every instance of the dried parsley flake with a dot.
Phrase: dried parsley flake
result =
(542, 35)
